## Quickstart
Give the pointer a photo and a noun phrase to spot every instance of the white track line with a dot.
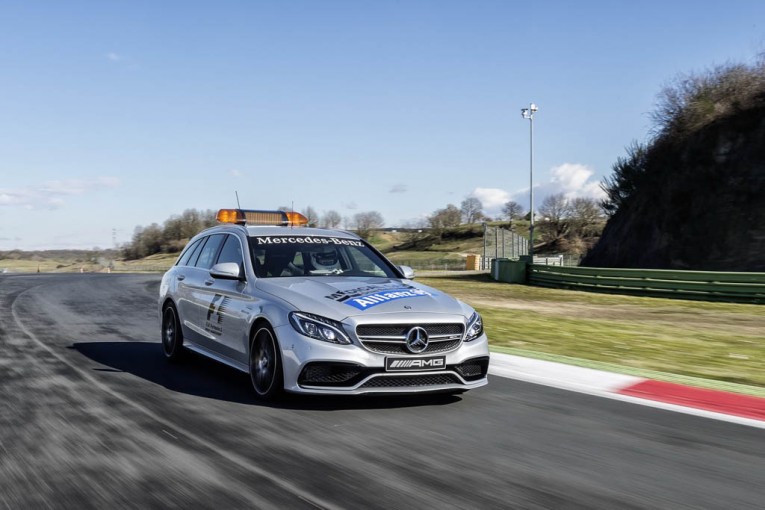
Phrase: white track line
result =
(593, 382)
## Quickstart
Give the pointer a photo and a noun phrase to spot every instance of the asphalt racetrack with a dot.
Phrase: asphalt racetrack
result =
(91, 416)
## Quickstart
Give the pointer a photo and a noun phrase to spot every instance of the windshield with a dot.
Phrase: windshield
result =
(296, 255)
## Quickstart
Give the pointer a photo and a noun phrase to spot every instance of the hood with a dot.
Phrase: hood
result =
(341, 297)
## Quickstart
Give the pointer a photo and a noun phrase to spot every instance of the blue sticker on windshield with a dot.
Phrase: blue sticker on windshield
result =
(368, 301)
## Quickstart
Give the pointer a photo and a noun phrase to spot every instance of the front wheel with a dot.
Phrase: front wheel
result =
(265, 364)
(172, 337)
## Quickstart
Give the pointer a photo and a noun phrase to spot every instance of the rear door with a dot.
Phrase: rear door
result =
(183, 292)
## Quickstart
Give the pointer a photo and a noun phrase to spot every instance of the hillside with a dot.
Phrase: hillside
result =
(443, 249)
(422, 250)
(426, 250)
(695, 197)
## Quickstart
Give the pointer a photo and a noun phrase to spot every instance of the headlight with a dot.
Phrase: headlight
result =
(475, 327)
(319, 328)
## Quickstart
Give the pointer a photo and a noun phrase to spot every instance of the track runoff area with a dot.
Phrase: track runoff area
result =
(714, 404)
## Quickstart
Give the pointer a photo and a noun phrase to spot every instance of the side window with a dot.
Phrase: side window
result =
(364, 263)
(299, 265)
(258, 260)
(210, 250)
(184, 260)
(231, 251)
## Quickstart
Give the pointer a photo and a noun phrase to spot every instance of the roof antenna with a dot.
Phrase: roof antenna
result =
(237, 199)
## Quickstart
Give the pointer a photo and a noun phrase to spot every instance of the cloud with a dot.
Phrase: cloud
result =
(351, 205)
(50, 194)
(398, 188)
(78, 186)
(235, 173)
(491, 198)
(571, 179)
(121, 61)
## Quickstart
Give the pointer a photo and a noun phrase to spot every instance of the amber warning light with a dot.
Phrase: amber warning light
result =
(251, 217)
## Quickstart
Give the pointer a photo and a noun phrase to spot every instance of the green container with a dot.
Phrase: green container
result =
(509, 270)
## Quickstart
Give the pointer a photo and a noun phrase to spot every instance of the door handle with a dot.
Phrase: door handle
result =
(180, 277)
(209, 282)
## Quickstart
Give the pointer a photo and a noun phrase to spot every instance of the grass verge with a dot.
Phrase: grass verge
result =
(716, 345)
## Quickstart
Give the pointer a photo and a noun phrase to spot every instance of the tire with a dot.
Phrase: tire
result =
(266, 373)
(172, 335)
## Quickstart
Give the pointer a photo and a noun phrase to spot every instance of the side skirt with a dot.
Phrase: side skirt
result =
(216, 356)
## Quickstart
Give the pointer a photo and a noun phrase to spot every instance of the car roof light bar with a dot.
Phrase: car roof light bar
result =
(255, 217)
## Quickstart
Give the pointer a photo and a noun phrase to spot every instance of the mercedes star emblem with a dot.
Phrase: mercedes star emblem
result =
(417, 340)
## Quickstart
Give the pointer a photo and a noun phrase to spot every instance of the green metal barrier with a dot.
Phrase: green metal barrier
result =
(704, 285)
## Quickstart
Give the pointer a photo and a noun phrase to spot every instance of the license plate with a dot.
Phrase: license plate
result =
(415, 364)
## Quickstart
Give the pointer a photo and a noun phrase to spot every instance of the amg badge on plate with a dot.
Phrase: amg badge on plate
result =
(415, 364)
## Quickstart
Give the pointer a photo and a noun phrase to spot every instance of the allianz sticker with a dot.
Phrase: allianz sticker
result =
(364, 298)
(215, 314)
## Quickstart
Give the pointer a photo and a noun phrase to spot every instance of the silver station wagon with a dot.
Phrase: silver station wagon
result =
(310, 310)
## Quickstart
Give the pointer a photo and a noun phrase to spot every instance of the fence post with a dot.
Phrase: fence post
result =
(483, 259)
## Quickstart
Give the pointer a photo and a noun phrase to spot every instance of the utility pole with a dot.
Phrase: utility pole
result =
(528, 113)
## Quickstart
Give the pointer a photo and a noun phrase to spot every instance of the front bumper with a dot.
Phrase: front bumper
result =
(312, 366)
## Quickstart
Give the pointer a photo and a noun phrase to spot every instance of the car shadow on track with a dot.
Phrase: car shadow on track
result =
(197, 375)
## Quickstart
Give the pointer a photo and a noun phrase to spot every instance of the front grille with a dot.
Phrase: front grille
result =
(469, 369)
(391, 338)
(330, 374)
(373, 330)
(409, 381)
(399, 348)
(473, 369)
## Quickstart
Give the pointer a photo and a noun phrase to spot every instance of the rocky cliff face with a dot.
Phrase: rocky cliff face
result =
(701, 205)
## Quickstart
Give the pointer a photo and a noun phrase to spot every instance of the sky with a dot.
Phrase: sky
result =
(124, 113)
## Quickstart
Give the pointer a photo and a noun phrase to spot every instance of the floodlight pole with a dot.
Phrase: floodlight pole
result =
(528, 113)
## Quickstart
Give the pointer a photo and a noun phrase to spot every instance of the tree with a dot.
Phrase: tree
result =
(694, 100)
(173, 228)
(585, 216)
(194, 220)
(331, 219)
(629, 174)
(415, 230)
(171, 236)
(447, 217)
(151, 239)
(367, 222)
(512, 210)
(555, 211)
(146, 241)
(312, 216)
(472, 210)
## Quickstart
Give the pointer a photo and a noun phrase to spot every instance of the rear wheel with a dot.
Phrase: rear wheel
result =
(172, 337)
(265, 364)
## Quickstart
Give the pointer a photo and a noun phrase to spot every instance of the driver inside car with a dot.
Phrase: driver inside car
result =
(325, 261)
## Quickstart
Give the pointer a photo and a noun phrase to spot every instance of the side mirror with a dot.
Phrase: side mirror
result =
(407, 271)
(227, 271)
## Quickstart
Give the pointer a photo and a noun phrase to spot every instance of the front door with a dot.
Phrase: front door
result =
(228, 305)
